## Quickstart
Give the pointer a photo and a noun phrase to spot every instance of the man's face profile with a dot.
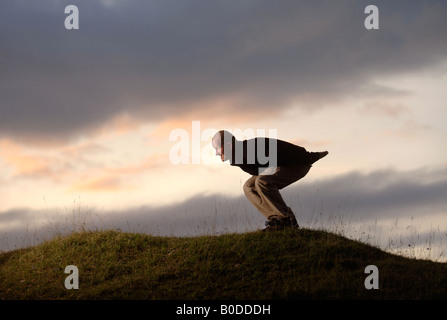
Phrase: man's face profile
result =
(220, 147)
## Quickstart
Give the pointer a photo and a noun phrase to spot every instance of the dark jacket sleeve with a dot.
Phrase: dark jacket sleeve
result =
(260, 153)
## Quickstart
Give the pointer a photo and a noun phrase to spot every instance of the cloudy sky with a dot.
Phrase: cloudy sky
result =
(89, 118)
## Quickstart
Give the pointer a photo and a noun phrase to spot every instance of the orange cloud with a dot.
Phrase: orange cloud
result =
(156, 161)
(101, 184)
(25, 162)
(118, 178)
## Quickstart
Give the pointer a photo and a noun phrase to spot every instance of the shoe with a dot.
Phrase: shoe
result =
(294, 223)
(315, 156)
(274, 224)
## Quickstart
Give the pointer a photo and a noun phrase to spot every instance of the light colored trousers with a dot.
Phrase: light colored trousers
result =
(263, 190)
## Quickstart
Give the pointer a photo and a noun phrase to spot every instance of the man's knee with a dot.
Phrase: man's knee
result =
(249, 186)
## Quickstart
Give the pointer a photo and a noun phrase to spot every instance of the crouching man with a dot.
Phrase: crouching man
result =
(274, 164)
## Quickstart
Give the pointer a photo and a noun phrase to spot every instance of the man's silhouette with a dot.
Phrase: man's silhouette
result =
(274, 164)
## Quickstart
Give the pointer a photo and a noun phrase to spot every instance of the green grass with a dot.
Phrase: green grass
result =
(291, 264)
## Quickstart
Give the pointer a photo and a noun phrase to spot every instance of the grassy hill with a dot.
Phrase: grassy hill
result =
(292, 264)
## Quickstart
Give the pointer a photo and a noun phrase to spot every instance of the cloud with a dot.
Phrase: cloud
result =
(384, 109)
(26, 163)
(117, 178)
(100, 184)
(162, 59)
(381, 196)
(13, 215)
